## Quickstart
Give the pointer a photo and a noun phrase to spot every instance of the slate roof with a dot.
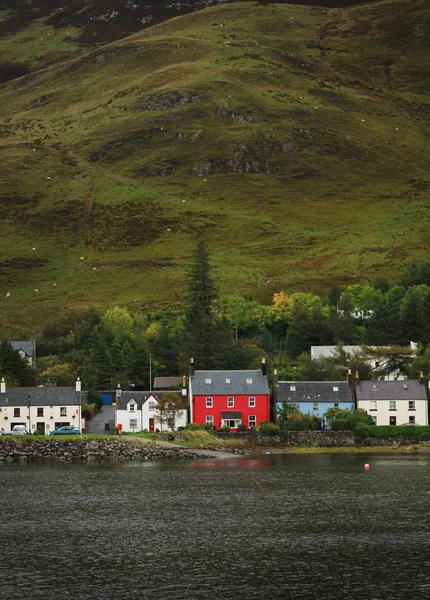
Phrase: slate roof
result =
(164, 383)
(231, 414)
(314, 391)
(40, 396)
(237, 385)
(26, 346)
(410, 389)
(141, 397)
(331, 351)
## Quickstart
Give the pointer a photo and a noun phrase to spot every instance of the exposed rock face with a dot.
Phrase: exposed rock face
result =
(97, 449)
(240, 117)
(164, 101)
(161, 169)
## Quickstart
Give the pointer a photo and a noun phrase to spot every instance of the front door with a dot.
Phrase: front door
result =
(392, 420)
(151, 424)
(40, 428)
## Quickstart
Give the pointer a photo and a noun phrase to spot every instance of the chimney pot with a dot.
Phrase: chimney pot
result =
(2, 386)
(78, 385)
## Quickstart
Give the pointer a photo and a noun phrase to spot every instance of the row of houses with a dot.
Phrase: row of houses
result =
(219, 398)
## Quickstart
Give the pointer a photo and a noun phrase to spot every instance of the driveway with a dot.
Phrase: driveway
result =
(97, 423)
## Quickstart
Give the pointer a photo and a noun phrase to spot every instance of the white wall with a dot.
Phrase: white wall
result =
(142, 416)
(73, 416)
(402, 412)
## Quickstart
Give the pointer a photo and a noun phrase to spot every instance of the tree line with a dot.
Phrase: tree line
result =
(118, 346)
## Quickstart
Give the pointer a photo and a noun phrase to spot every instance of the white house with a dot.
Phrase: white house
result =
(318, 352)
(27, 350)
(394, 402)
(40, 409)
(137, 411)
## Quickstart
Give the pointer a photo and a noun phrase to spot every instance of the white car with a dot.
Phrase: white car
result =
(16, 430)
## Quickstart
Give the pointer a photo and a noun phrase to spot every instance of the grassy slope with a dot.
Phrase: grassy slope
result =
(329, 107)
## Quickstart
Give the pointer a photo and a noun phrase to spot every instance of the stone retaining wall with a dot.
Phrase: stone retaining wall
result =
(336, 439)
(103, 449)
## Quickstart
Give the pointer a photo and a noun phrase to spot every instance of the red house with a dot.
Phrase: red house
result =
(229, 398)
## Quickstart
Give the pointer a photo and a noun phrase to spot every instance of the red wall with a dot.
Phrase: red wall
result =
(261, 409)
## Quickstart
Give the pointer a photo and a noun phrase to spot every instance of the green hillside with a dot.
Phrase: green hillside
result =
(293, 139)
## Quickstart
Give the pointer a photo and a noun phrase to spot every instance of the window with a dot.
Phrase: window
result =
(412, 419)
(234, 423)
(292, 388)
(40, 412)
(374, 421)
(63, 411)
(249, 380)
(411, 405)
(209, 420)
(376, 363)
(315, 406)
(335, 389)
(133, 423)
(252, 422)
(151, 405)
(132, 406)
(373, 405)
(227, 380)
(208, 380)
(230, 402)
(392, 405)
(209, 402)
(336, 404)
(16, 412)
(251, 402)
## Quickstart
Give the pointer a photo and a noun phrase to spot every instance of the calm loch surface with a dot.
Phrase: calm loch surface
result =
(277, 527)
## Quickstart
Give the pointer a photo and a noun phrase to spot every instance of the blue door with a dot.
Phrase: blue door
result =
(107, 399)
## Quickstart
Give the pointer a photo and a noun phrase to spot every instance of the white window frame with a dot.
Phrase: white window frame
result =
(39, 412)
(16, 413)
(131, 425)
(229, 422)
(227, 380)
(411, 405)
(373, 405)
(374, 420)
(252, 422)
(393, 405)
(209, 402)
(412, 419)
(249, 380)
(210, 420)
(63, 411)
(208, 380)
(151, 405)
(315, 406)
(252, 402)
(230, 402)
(132, 406)
(292, 388)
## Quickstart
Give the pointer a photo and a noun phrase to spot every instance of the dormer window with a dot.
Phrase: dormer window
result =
(132, 406)
(227, 380)
(335, 389)
(292, 388)
(249, 380)
(208, 380)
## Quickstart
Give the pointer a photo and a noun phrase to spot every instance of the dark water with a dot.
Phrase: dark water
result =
(279, 528)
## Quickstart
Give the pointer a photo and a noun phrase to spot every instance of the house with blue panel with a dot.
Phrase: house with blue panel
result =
(314, 397)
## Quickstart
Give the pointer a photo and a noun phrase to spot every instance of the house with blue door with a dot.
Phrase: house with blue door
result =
(314, 397)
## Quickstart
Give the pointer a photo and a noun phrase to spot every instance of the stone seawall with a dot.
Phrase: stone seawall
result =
(103, 449)
(337, 439)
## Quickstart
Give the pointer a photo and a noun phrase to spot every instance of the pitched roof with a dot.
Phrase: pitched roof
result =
(26, 346)
(331, 351)
(40, 396)
(141, 397)
(213, 383)
(163, 383)
(410, 389)
(314, 391)
(231, 414)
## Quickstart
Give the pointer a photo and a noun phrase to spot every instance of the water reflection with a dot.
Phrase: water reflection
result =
(266, 527)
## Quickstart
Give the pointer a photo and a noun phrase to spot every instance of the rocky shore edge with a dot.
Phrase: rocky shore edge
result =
(86, 450)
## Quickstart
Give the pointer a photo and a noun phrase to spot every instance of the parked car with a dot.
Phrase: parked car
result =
(16, 430)
(66, 430)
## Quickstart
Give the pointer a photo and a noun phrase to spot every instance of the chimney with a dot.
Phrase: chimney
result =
(357, 378)
(118, 391)
(263, 367)
(78, 385)
(349, 377)
(274, 400)
(2, 386)
(275, 378)
(422, 379)
(192, 369)
(184, 385)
